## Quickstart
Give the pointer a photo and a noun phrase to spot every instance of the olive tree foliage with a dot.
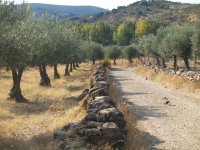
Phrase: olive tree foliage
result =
(131, 52)
(93, 51)
(15, 45)
(25, 42)
(148, 46)
(177, 42)
(196, 42)
(113, 52)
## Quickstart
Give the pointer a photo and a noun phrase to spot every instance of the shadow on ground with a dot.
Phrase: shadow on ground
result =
(136, 138)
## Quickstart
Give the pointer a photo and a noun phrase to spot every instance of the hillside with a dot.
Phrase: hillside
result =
(65, 12)
(170, 12)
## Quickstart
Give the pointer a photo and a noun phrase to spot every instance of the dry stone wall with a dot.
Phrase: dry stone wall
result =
(104, 123)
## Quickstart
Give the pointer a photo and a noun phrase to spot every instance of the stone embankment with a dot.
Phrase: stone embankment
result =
(104, 124)
(190, 75)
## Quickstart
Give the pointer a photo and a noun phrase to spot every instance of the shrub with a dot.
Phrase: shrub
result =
(105, 63)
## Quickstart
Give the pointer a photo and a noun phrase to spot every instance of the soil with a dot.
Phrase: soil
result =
(169, 119)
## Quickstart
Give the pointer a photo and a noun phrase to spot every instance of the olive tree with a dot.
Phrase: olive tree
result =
(15, 53)
(148, 45)
(131, 52)
(196, 42)
(113, 52)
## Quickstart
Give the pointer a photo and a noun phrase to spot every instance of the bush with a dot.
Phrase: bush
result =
(105, 63)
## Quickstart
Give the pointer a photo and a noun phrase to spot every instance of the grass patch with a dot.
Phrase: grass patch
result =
(30, 126)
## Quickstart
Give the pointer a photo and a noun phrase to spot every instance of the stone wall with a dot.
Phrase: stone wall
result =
(190, 75)
(104, 123)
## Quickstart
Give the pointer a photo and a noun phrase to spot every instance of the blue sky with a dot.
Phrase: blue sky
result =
(108, 4)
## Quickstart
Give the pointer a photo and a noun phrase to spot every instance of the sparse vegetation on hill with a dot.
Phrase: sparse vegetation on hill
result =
(167, 11)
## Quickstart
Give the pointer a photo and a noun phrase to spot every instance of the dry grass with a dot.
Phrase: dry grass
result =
(134, 135)
(174, 81)
(30, 126)
(120, 63)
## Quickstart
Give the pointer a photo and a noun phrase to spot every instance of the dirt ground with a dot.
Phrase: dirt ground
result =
(30, 126)
(167, 118)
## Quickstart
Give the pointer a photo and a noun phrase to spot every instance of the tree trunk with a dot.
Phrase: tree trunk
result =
(93, 60)
(77, 65)
(114, 61)
(15, 92)
(185, 59)
(45, 80)
(70, 67)
(163, 63)
(56, 74)
(175, 63)
(67, 70)
(74, 66)
(157, 59)
(195, 60)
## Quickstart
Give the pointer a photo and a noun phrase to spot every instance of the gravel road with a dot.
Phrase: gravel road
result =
(169, 119)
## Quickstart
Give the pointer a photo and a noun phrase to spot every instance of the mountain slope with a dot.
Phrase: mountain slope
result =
(170, 12)
(65, 12)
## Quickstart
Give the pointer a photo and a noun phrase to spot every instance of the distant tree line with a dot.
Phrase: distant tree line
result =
(151, 38)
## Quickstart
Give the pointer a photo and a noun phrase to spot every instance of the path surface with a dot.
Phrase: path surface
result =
(175, 126)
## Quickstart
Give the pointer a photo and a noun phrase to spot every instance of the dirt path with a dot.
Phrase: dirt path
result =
(173, 126)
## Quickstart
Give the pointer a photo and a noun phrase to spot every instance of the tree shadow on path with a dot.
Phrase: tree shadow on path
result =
(136, 138)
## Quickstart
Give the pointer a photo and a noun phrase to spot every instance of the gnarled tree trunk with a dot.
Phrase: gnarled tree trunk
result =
(185, 59)
(175, 63)
(56, 74)
(93, 60)
(195, 60)
(114, 61)
(45, 80)
(74, 66)
(77, 65)
(70, 67)
(67, 70)
(157, 60)
(15, 92)
(163, 63)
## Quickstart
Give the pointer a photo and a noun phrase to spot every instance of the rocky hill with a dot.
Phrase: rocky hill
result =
(170, 12)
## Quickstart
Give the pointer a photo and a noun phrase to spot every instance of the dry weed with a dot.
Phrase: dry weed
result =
(30, 126)
(175, 81)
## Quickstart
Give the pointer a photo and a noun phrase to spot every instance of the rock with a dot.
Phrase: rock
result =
(91, 124)
(101, 84)
(67, 147)
(91, 135)
(60, 135)
(100, 79)
(112, 134)
(62, 145)
(99, 72)
(112, 115)
(101, 75)
(93, 89)
(99, 92)
(91, 117)
(167, 102)
(104, 99)
(101, 102)
(83, 94)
